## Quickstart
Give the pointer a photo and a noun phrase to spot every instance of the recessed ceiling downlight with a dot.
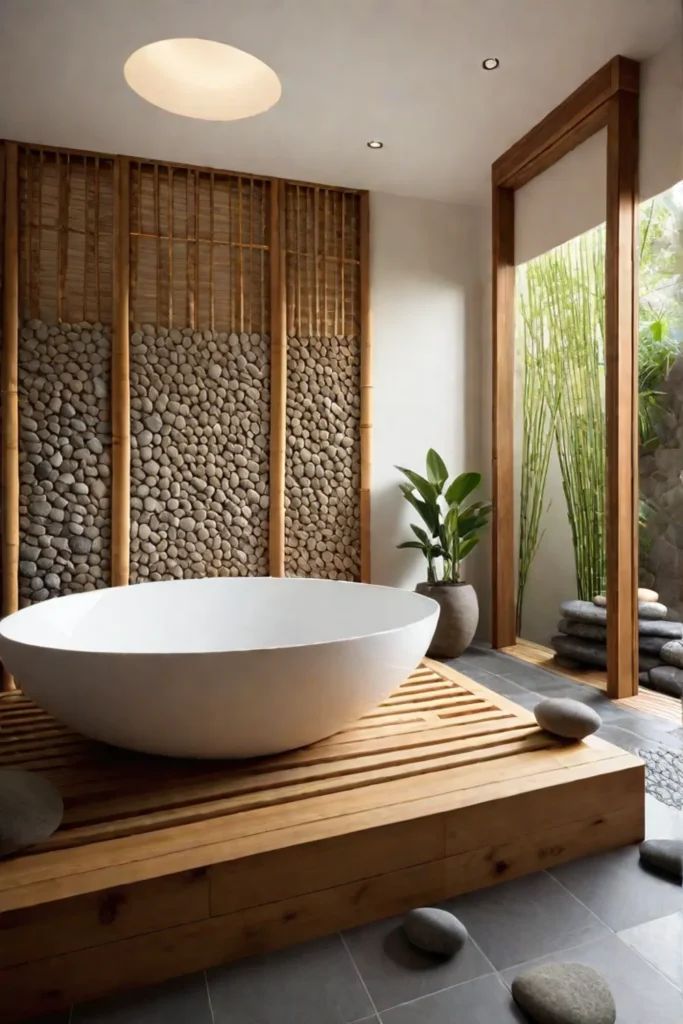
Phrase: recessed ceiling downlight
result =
(490, 63)
(374, 144)
(202, 78)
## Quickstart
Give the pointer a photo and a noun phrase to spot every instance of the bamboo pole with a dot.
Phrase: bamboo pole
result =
(120, 381)
(10, 393)
(365, 392)
(278, 387)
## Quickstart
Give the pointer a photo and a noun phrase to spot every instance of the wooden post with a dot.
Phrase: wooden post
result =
(621, 397)
(504, 632)
(10, 391)
(120, 380)
(365, 392)
(278, 383)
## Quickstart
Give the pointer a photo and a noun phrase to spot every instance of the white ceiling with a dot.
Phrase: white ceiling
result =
(404, 71)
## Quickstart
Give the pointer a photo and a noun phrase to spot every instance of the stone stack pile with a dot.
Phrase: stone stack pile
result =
(582, 639)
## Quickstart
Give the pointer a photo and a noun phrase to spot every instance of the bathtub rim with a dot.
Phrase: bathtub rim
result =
(432, 611)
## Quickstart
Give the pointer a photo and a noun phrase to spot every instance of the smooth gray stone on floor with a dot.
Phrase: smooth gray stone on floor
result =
(647, 595)
(589, 652)
(644, 678)
(665, 855)
(564, 993)
(600, 600)
(586, 630)
(435, 931)
(568, 718)
(31, 810)
(648, 661)
(666, 679)
(652, 610)
(652, 644)
(583, 611)
(672, 652)
(666, 628)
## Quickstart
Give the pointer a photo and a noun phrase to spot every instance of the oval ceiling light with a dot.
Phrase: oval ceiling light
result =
(374, 144)
(490, 63)
(202, 78)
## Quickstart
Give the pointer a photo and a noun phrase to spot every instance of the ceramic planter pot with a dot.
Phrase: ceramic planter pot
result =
(458, 617)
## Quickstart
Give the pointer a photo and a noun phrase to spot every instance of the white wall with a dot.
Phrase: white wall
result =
(426, 306)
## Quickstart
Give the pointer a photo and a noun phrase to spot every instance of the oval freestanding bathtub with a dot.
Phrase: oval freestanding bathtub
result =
(217, 667)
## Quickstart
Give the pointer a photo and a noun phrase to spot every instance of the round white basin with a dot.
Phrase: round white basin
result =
(217, 667)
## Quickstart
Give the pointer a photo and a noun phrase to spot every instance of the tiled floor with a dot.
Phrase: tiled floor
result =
(605, 911)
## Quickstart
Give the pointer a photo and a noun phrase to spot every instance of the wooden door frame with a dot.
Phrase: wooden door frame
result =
(608, 99)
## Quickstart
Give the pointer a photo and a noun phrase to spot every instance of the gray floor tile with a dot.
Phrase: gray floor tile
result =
(662, 821)
(618, 890)
(174, 1002)
(315, 983)
(642, 996)
(484, 1001)
(499, 684)
(395, 972)
(661, 943)
(522, 919)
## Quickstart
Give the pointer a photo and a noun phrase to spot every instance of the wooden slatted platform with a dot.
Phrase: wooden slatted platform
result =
(165, 866)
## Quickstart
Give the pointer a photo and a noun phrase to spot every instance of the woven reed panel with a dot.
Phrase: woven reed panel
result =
(322, 241)
(199, 249)
(200, 373)
(66, 266)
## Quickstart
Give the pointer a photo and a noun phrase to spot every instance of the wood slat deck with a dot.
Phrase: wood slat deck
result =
(168, 865)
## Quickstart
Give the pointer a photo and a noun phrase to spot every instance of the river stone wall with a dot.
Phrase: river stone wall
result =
(200, 411)
(64, 459)
(661, 486)
(322, 529)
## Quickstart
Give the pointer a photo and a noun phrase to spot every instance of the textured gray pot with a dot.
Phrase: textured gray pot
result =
(458, 617)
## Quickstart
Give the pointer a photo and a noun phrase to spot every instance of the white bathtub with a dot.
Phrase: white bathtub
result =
(217, 667)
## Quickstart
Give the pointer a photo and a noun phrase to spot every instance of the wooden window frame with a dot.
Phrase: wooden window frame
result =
(608, 99)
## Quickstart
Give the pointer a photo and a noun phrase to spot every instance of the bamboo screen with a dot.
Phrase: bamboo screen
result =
(160, 285)
(65, 304)
(322, 463)
(200, 373)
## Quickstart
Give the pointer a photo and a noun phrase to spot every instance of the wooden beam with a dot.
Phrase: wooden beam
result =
(503, 310)
(568, 124)
(365, 392)
(278, 383)
(621, 334)
(10, 391)
(120, 380)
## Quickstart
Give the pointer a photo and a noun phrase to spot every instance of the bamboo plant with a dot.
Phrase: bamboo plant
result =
(453, 528)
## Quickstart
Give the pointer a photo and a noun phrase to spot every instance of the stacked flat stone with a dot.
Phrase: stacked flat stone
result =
(582, 638)
(322, 529)
(200, 411)
(64, 460)
(659, 474)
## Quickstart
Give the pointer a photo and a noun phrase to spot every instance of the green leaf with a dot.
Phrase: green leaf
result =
(429, 513)
(467, 545)
(419, 533)
(436, 469)
(461, 487)
(469, 523)
(422, 486)
(411, 544)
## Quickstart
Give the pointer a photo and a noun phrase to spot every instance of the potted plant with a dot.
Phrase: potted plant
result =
(453, 529)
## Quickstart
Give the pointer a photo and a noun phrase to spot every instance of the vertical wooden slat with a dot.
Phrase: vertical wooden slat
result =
(10, 391)
(97, 239)
(169, 215)
(212, 242)
(278, 385)
(195, 193)
(503, 302)
(621, 310)
(64, 181)
(365, 392)
(241, 253)
(120, 379)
